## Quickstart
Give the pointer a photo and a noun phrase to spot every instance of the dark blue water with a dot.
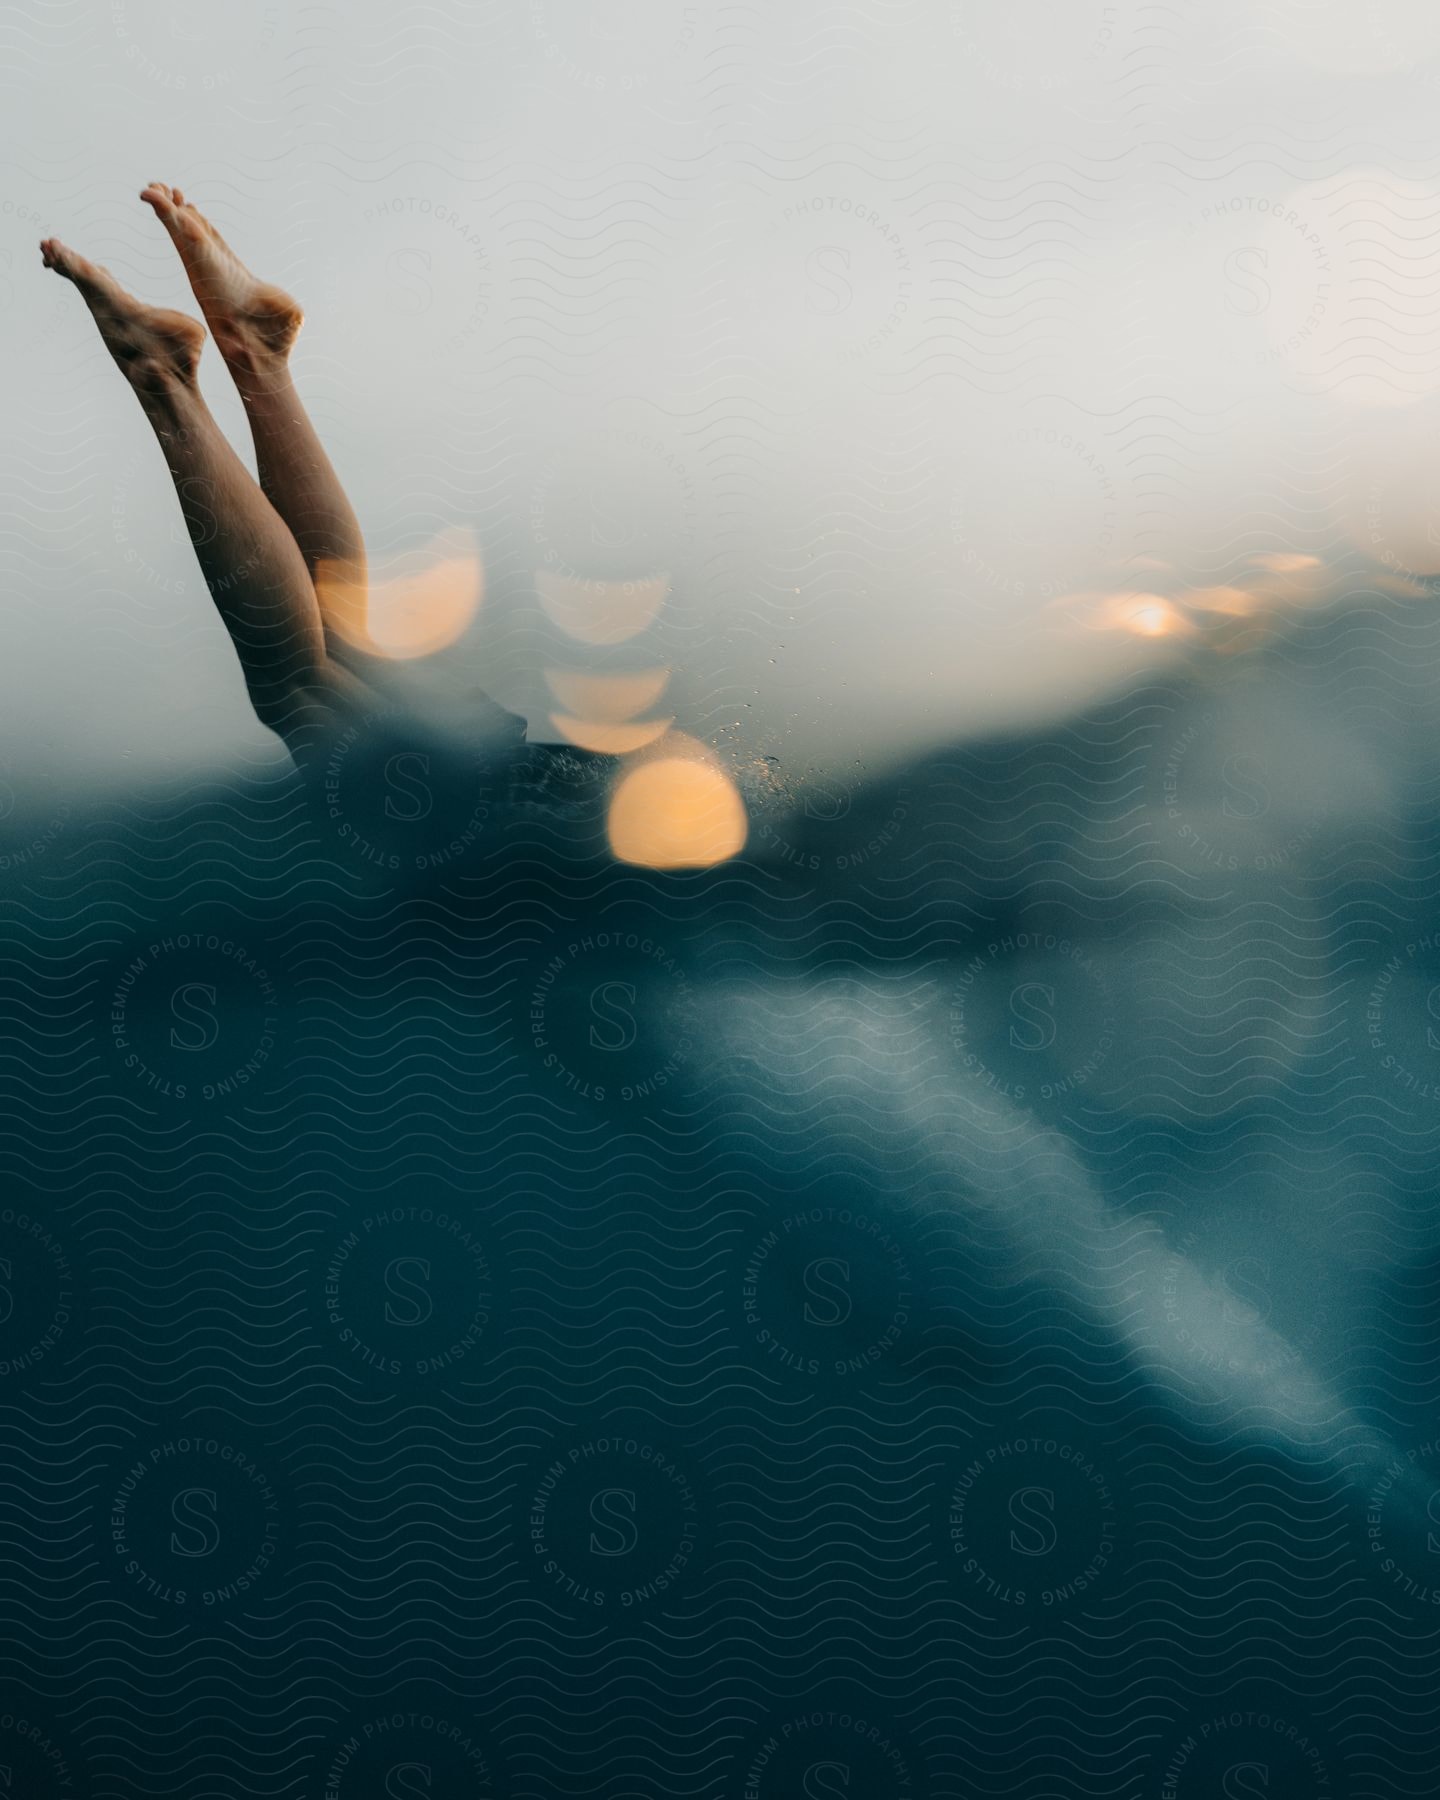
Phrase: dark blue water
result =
(941, 1305)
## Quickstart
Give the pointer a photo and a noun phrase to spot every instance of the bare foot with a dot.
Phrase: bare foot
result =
(153, 347)
(248, 316)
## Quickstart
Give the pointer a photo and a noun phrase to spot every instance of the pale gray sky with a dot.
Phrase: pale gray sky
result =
(886, 330)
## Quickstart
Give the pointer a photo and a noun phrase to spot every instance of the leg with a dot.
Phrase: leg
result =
(255, 574)
(255, 326)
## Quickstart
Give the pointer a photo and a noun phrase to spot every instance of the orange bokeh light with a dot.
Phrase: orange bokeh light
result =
(610, 698)
(677, 812)
(414, 605)
(593, 611)
(1285, 562)
(610, 738)
(1143, 615)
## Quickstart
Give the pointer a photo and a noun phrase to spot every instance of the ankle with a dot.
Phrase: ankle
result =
(254, 364)
(165, 391)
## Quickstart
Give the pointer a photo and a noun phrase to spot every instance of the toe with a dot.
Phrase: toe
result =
(179, 197)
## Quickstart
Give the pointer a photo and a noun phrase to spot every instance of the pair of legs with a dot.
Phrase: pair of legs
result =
(284, 560)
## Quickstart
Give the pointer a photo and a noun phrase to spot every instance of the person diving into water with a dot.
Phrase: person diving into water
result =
(283, 557)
